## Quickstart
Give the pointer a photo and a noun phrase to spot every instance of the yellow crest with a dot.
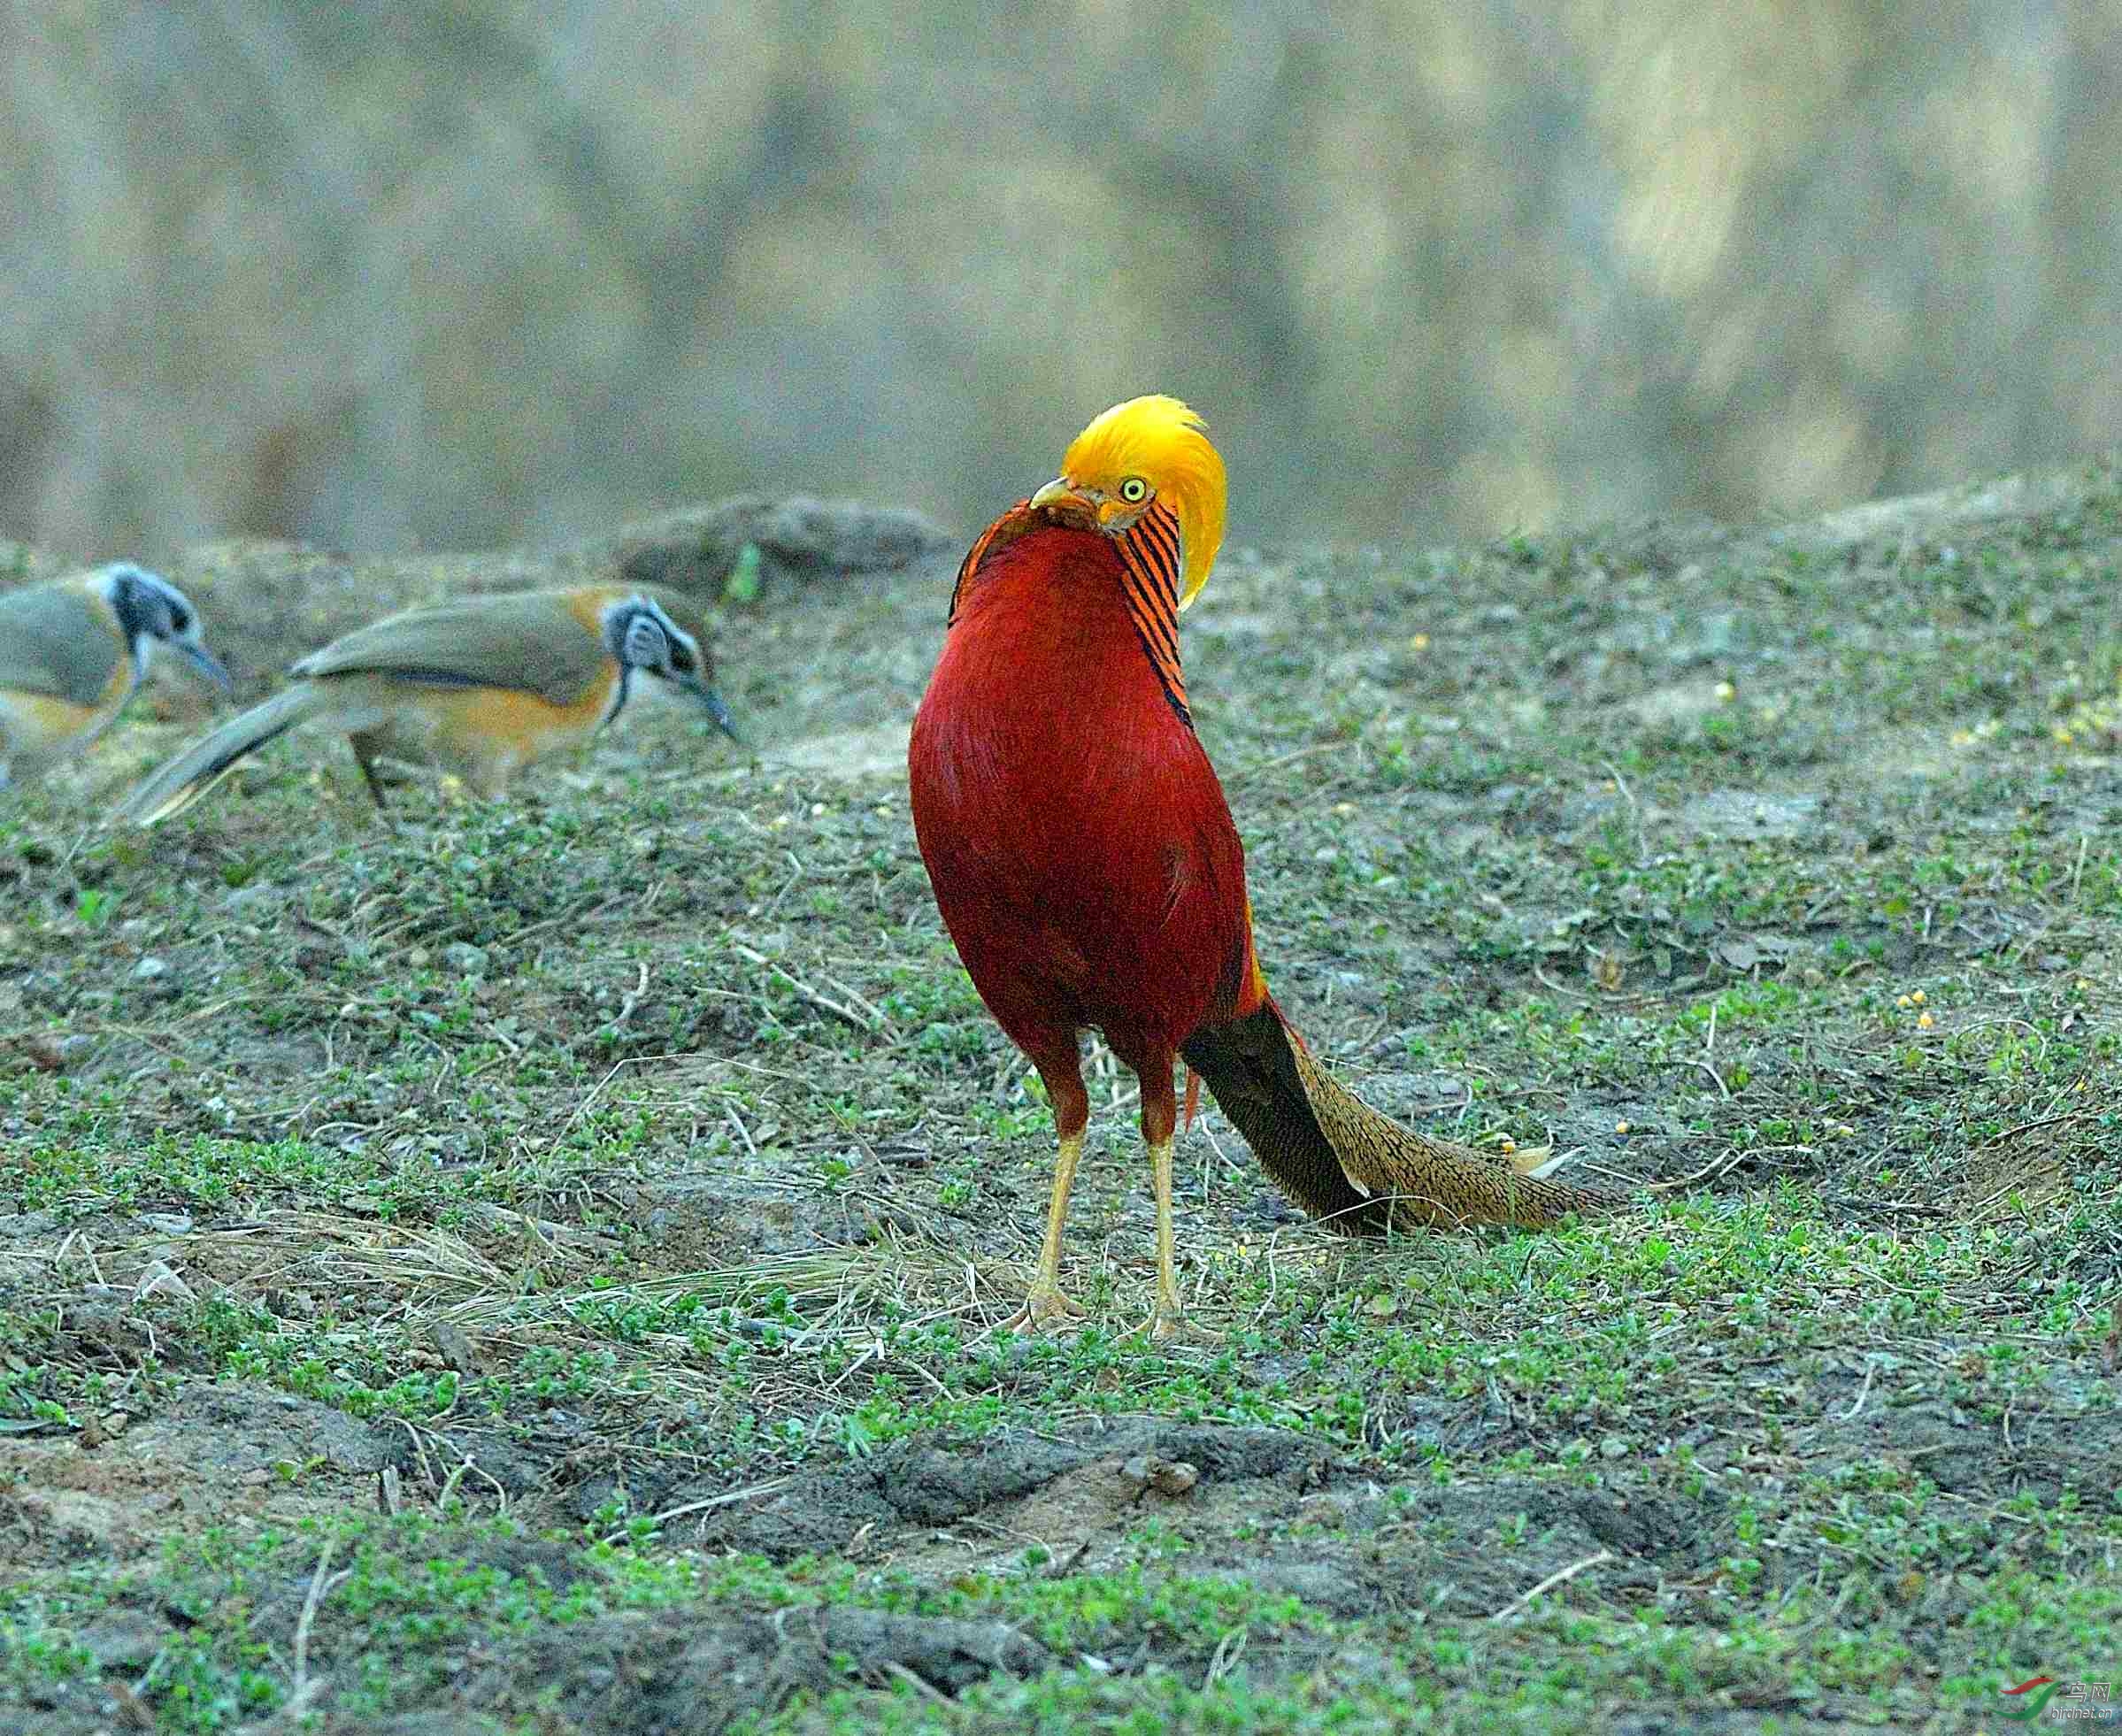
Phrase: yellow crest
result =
(1153, 449)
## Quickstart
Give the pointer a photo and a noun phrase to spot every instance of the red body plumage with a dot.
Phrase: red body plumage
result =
(1081, 848)
(1085, 863)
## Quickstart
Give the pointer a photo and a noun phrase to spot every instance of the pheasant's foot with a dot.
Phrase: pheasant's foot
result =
(1047, 1306)
(1169, 1325)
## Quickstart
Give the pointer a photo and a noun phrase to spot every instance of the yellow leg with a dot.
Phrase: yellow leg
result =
(1047, 1304)
(1171, 1317)
(1170, 1321)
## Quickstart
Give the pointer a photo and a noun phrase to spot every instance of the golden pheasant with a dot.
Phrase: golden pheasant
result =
(1085, 863)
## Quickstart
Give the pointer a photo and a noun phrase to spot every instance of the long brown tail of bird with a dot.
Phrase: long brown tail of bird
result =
(176, 785)
(1348, 1166)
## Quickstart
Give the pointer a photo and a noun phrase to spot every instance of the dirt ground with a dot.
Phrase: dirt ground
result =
(537, 1266)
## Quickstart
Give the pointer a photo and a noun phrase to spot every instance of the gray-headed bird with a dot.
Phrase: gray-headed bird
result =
(479, 685)
(73, 649)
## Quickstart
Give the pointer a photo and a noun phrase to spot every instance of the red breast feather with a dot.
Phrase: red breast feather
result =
(1079, 845)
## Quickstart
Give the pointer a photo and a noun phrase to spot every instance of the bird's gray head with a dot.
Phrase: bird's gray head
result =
(641, 635)
(153, 611)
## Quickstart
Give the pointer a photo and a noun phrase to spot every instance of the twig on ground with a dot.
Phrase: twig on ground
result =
(320, 1587)
(809, 996)
(685, 1509)
(1557, 1578)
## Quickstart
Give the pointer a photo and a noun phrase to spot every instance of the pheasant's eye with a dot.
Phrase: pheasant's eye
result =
(1135, 491)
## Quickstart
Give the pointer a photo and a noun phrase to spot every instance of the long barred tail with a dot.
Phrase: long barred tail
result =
(206, 762)
(1354, 1170)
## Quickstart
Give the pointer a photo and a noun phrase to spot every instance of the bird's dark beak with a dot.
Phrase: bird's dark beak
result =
(712, 701)
(206, 663)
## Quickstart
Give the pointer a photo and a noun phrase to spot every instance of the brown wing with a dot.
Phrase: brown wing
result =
(527, 641)
(56, 639)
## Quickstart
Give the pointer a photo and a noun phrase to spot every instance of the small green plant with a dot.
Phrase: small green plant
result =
(742, 584)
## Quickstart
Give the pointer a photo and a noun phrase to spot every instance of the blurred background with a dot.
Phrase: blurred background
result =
(395, 275)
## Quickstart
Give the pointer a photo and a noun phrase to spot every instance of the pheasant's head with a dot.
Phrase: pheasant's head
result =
(1143, 453)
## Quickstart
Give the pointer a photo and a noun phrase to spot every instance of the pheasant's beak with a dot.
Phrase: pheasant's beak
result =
(1072, 505)
(1061, 492)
